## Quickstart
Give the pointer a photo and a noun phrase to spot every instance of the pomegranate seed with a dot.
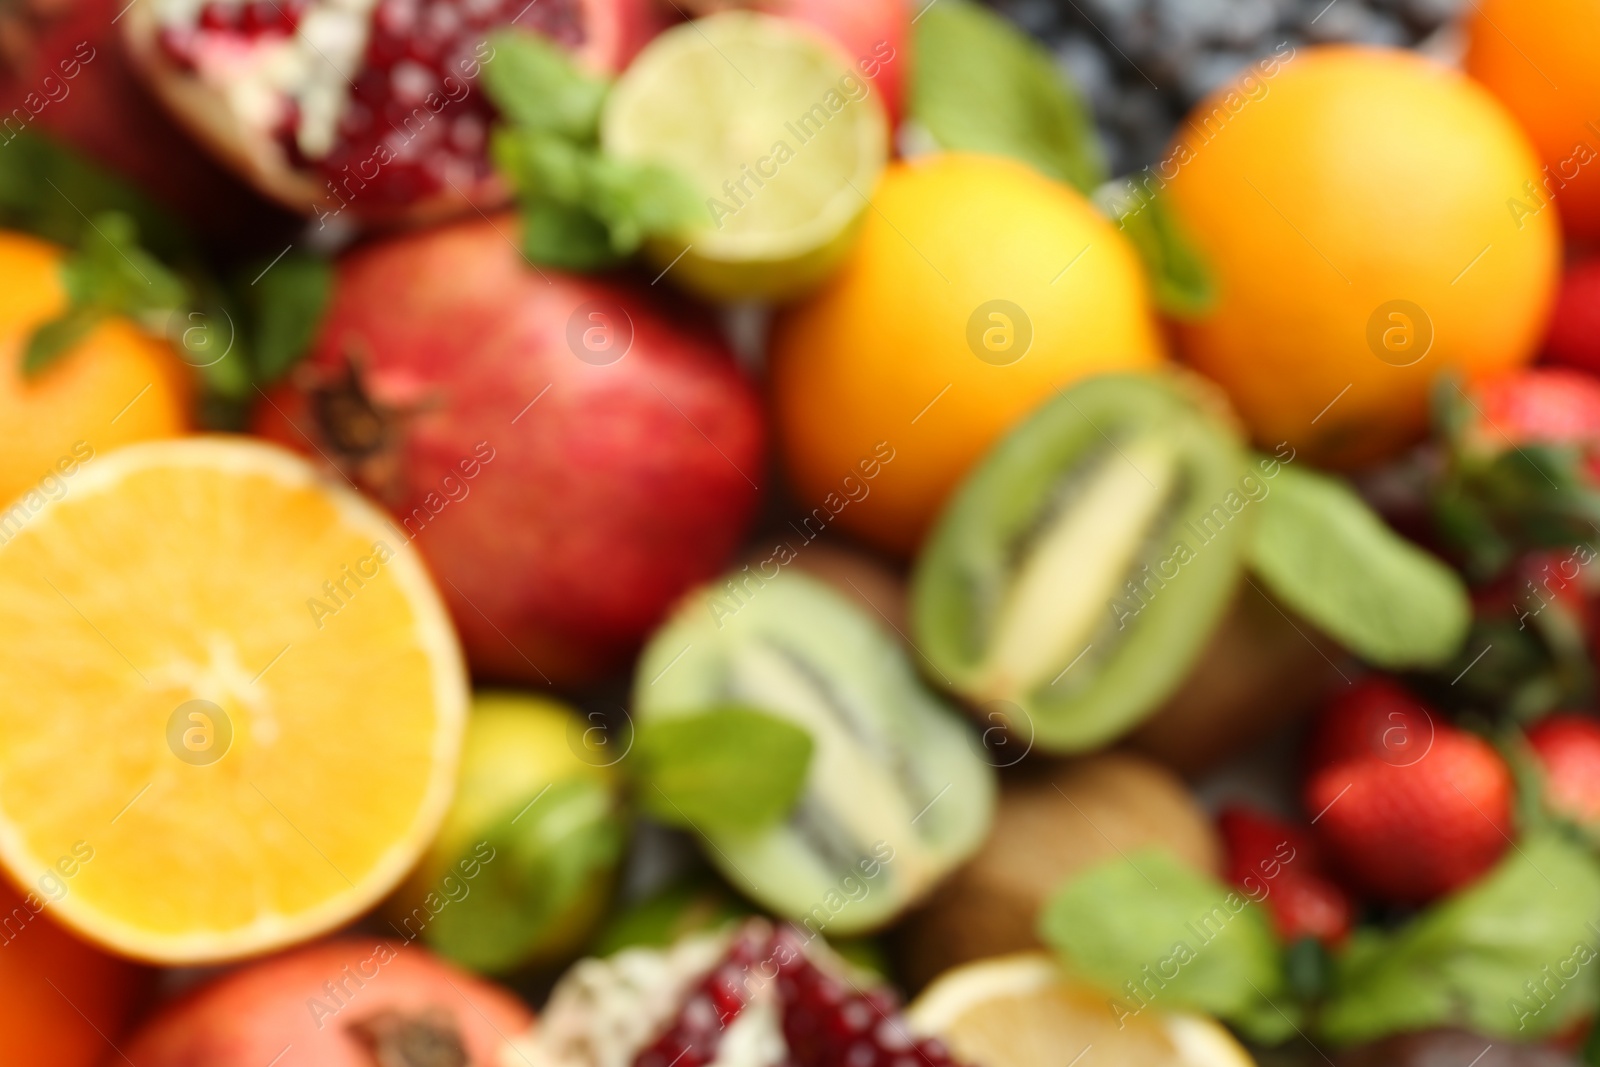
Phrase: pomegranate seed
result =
(219, 17)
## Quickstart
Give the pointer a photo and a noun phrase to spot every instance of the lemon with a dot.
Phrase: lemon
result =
(1022, 1011)
(777, 133)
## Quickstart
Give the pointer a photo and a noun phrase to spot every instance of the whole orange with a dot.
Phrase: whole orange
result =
(977, 289)
(117, 385)
(1352, 206)
(1538, 57)
(62, 1003)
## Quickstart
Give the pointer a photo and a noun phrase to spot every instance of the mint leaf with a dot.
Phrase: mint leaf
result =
(108, 274)
(286, 306)
(731, 769)
(1153, 932)
(1181, 280)
(546, 855)
(49, 190)
(981, 85)
(658, 921)
(582, 210)
(537, 86)
(564, 236)
(1512, 955)
(637, 200)
(51, 340)
(1324, 553)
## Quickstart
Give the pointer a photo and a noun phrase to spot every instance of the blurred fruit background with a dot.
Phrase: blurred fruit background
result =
(793, 533)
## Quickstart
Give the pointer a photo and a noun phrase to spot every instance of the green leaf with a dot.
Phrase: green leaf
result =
(536, 85)
(1513, 955)
(563, 236)
(1324, 553)
(109, 273)
(49, 190)
(640, 199)
(286, 305)
(1150, 930)
(1181, 279)
(733, 769)
(51, 340)
(582, 210)
(689, 907)
(546, 856)
(981, 85)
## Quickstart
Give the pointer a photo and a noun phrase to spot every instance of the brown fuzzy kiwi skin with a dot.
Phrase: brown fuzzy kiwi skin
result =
(1260, 671)
(1053, 820)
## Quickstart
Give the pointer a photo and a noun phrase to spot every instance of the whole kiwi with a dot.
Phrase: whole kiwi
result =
(1053, 820)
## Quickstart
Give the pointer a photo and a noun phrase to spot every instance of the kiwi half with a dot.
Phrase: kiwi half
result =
(896, 793)
(1078, 571)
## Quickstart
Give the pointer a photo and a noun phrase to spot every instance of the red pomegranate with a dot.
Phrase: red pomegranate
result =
(369, 109)
(345, 1003)
(64, 74)
(567, 455)
(745, 997)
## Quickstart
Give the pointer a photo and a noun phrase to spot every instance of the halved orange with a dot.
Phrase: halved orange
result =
(231, 702)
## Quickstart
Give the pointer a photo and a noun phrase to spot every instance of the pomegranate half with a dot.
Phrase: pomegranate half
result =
(366, 109)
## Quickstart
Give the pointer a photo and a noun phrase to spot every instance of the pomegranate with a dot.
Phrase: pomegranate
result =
(64, 74)
(749, 997)
(568, 457)
(367, 105)
(343, 1003)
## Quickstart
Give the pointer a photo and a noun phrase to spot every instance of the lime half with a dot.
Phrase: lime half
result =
(781, 137)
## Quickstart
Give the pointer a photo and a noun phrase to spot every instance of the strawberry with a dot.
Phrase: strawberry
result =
(1542, 406)
(1523, 471)
(1568, 749)
(1574, 336)
(1406, 811)
(1375, 716)
(1275, 863)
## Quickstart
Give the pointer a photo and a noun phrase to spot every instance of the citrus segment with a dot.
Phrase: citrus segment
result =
(777, 134)
(233, 701)
(1021, 1011)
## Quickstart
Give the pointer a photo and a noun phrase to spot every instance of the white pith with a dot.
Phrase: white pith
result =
(604, 1012)
(257, 78)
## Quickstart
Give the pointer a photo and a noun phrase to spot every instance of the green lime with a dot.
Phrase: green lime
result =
(777, 132)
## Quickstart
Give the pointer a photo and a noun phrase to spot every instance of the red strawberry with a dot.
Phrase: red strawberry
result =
(1568, 748)
(1522, 466)
(1541, 406)
(1410, 811)
(1378, 717)
(1574, 337)
(1276, 863)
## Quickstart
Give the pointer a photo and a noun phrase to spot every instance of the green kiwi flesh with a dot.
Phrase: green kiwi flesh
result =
(1077, 572)
(897, 793)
